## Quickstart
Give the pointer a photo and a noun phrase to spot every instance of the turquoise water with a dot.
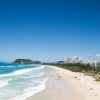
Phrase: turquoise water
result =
(17, 82)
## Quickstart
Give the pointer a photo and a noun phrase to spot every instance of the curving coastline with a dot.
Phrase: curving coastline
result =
(66, 85)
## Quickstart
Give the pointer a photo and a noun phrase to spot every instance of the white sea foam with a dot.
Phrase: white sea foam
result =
(35, 75)
(18, 72)
(41, 67)
(31, 87)
(31, 91)
(3, 83)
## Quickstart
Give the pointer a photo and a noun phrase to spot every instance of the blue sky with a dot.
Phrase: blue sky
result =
(49, 30)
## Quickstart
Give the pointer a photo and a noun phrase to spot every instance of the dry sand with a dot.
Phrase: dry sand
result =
(67, 85)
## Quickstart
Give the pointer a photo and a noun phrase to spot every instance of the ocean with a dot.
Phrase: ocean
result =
(18, 82)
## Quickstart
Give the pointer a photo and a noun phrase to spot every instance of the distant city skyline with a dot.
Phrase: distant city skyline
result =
(49, 30)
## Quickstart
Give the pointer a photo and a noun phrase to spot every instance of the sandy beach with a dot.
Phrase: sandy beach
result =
(66, 85)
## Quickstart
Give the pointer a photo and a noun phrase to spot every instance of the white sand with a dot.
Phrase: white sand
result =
(67, 85)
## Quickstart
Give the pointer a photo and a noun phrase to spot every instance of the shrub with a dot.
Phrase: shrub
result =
(97, 77)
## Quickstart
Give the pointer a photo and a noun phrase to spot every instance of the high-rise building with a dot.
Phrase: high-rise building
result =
(97, 64)
(76, 60)
(68, 60)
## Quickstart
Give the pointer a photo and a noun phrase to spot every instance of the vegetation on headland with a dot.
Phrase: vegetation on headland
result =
(79, 67)
(26, 61)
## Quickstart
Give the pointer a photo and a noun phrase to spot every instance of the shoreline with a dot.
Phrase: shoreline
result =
(64, 84)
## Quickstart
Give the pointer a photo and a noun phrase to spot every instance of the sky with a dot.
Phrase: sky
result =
(49, 30)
